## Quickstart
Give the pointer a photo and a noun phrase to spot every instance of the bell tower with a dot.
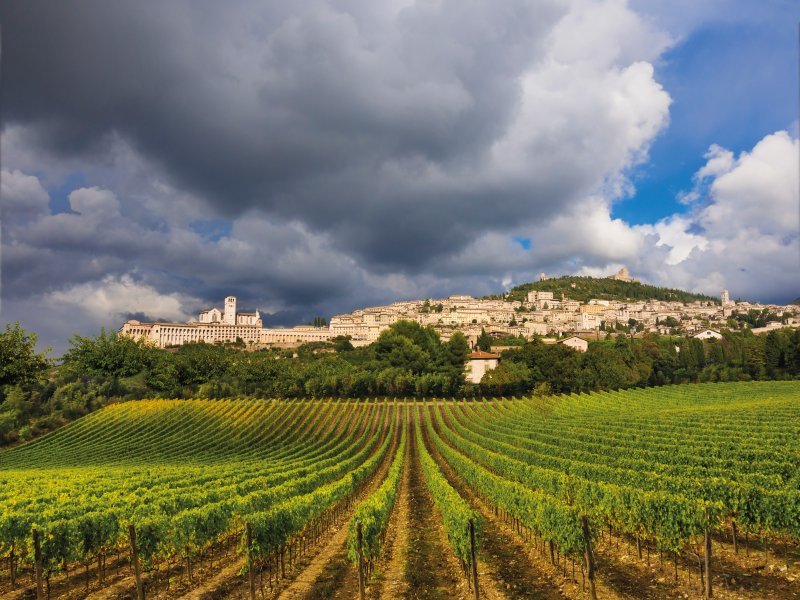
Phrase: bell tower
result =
(229, 316)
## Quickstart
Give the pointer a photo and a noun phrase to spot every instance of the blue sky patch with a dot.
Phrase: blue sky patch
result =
(524, 243)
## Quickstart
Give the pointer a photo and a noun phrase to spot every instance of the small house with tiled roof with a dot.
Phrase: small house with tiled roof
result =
(478, 363)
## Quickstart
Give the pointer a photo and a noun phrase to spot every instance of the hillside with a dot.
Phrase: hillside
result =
(584, 289)
(202, 489)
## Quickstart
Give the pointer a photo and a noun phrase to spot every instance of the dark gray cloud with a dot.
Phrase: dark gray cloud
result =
(314, 157)
(324, 112)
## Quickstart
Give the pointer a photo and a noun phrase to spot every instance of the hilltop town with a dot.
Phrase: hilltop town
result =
(541, 313)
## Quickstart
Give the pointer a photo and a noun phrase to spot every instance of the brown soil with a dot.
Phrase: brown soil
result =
(66, 585)
(734, 576)
(171, 580)
(431, 570)
(329, 575)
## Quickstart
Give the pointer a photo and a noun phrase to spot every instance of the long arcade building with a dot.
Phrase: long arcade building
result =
(220, 326)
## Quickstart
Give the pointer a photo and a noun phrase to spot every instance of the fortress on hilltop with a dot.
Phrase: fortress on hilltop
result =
(623, 275)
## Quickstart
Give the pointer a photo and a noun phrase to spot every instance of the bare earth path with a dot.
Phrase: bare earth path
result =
(329, 575)
(504, 563)
(431, 570)
(388, 581)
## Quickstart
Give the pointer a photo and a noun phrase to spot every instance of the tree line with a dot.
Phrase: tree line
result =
(584, 288)
(38, 394)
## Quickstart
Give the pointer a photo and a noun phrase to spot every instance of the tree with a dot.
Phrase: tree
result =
(19, 361)
(605, 368)
(484, 342)
(7, 426)
(777, 353)
(507, 379)
(455, 351)
(342, 343)
(107, 355)
(17, 402)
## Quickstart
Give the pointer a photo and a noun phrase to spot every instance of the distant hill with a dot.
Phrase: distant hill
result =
(586, 288)
(796, 301)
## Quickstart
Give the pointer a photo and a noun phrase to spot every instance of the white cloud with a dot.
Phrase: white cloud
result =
(720, 161)
(672, 233)
(94, 202)
(743, 235)
(758, 191)
(22, 194)
(112, 298)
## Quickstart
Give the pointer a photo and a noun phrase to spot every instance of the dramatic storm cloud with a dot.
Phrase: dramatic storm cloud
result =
(314, 157)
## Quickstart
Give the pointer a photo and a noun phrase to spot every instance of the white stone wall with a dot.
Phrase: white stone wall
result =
(476, 368)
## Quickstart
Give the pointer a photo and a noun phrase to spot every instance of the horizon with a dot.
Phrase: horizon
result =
(319, 158)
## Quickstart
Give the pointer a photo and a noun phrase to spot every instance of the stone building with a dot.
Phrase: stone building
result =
(576, 343)
(479, 363)
(213, 326)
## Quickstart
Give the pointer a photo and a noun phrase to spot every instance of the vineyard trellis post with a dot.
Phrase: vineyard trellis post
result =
(137, 570)
(360, 539)
(251, 575)
(708, 590)
(37, 557)
(587, 541)
(473, 558)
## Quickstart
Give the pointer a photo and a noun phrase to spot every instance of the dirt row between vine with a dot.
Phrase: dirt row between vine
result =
(417, 560)
(307, 568)
(388, 580)
(504, 559)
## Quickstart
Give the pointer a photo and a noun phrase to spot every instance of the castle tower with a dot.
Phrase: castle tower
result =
(725, 297)
(229, 316)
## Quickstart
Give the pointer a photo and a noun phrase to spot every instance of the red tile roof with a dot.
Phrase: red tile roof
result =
(480, 354)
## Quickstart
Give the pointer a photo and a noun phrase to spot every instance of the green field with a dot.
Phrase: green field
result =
(654, 468)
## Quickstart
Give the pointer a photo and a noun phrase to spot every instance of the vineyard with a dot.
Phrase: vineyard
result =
(685, 491)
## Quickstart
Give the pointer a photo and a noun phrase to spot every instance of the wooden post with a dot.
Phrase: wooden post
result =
(360, 539)
(589, 559)
(37, 556)
(473, 558)
(137, 571)
(708, 589)
(250, 572)
(735, 541)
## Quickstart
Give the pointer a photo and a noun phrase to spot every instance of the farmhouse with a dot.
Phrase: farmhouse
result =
(707, 334)
(478, 363)
(576, 343)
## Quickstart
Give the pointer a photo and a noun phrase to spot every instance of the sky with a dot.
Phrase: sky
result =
(316, 157)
